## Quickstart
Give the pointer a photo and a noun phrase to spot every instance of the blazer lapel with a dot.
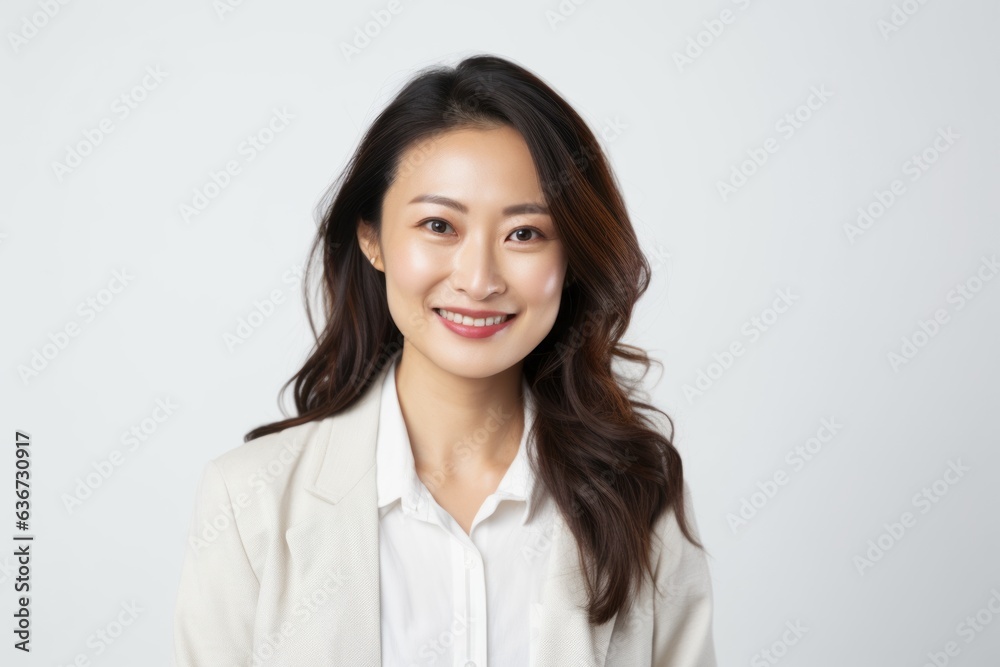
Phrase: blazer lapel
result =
(334, 550)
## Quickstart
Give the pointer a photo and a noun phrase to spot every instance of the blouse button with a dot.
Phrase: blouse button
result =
(470, 664)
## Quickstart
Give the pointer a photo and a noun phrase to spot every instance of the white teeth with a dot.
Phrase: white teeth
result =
(468, 321)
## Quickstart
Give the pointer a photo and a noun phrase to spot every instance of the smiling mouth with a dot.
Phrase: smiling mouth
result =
(465, 320)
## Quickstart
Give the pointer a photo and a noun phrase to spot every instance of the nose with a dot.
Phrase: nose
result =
(476, 270)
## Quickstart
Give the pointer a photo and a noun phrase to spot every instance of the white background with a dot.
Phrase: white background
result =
(718, 262)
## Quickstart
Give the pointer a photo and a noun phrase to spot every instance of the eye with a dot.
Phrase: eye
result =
(439, 226)
(439, 222)
(526, 230)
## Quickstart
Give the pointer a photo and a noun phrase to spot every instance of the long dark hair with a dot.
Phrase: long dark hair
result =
(611, 469)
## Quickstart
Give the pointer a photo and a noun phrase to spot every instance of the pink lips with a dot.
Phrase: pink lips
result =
(470, 331)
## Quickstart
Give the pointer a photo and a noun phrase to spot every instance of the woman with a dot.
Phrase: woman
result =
(468, 481)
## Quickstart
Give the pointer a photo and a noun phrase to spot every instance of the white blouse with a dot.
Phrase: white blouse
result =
(450, 598)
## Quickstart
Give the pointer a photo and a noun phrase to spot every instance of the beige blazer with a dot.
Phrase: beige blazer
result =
(282, 567)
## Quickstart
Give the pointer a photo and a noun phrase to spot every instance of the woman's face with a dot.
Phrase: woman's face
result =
(465, 230)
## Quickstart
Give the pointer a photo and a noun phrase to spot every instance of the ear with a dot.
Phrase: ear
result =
(369, 244)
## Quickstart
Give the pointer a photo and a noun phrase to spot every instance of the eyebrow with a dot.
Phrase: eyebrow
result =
(516, 209)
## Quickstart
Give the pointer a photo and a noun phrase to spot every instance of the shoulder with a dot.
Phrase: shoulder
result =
(674, 554)
(324, 458)
(269, 464)
(682, 600)
(256, 488)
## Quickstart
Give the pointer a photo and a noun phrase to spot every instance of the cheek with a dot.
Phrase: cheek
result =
(410, 276)
(542, 285)
(411, 270)
(412, 262)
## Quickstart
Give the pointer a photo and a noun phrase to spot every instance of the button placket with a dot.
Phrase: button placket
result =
(477, 597)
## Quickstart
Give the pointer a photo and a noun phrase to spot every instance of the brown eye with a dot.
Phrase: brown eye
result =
(438, 226)
(525, 231)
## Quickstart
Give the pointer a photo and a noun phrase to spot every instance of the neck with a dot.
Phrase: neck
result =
(460, 428)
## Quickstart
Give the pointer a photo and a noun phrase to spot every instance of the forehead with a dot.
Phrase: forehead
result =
(472, 163)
